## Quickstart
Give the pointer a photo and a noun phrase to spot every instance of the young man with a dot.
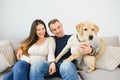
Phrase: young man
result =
(67, 70)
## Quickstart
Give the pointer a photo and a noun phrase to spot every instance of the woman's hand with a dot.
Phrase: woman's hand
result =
(30, 61)
(19, 54)
(52, 68)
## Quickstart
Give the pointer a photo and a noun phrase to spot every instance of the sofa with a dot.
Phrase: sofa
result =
(107, 66)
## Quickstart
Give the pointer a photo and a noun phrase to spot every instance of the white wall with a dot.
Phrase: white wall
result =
(16, 16)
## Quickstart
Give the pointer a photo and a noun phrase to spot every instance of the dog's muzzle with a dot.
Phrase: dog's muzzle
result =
(90, 37)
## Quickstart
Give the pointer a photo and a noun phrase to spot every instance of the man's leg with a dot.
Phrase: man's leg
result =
(68, 71)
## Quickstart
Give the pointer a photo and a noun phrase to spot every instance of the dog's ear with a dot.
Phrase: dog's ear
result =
(96, 29)
(79, 29)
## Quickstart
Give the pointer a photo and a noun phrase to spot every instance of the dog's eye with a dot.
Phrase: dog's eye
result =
(92, 29)
(85, 29)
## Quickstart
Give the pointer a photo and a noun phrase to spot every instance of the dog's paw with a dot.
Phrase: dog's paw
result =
(66, 60)
(90, 70)
(56, 60)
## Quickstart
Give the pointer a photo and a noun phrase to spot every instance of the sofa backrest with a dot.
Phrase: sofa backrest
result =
(109, 40)
(15, 43)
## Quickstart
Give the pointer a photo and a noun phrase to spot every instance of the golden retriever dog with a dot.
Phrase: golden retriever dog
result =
(85, 33)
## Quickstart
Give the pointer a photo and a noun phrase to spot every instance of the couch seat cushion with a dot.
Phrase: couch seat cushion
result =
(101, 75)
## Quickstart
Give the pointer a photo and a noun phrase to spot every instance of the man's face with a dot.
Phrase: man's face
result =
(57, 29)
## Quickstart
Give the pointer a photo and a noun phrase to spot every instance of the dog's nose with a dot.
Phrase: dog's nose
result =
(90, 37)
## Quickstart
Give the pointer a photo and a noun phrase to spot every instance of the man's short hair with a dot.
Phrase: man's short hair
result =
(53, 21)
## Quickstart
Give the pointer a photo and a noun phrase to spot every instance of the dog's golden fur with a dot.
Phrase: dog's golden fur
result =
(85, 33)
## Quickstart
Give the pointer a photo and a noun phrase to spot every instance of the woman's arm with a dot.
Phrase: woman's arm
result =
(51, 56)
(19, 52)
(52, 46)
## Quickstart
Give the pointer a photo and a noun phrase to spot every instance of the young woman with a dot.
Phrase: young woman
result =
(38, 47)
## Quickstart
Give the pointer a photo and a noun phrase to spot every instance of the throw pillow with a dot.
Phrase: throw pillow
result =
(3, 63)
(110, 59)
(7, 51)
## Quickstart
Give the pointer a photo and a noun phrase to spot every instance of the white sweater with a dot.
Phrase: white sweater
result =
(43, 52)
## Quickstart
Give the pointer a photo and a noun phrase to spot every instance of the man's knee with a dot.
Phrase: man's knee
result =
(66, 66)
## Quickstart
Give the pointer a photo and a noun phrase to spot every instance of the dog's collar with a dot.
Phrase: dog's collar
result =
(78, 38)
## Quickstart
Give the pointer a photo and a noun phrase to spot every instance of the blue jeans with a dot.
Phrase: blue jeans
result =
(39, 71)
(20, 71)
(68, 71)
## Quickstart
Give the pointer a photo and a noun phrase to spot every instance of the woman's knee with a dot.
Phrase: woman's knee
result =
(38, 66)
(21, 66)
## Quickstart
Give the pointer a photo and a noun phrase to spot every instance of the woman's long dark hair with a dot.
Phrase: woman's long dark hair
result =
(32, 38)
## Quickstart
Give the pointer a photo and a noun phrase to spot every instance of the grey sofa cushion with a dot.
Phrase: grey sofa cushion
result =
(7, 52)
(101, 75)
(3, 63)
(110, 59)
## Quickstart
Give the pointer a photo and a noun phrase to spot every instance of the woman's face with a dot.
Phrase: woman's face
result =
(40, 31)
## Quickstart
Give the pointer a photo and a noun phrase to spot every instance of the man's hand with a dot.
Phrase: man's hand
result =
(52, 68)
(19, 54)
(85, 49)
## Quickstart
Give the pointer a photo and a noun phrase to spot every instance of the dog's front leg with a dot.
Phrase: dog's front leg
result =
(63, 52)
(101, 50)
(73, 56)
